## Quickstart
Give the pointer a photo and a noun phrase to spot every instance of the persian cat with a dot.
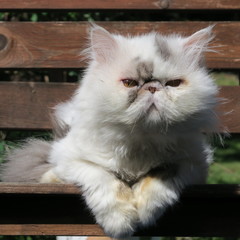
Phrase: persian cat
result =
(131, 137)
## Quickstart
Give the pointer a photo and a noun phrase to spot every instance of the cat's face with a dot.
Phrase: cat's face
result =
(150, 78)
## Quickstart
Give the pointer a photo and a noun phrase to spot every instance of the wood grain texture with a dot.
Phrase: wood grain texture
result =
(120, 5)
(28, 105)
(230, 109)
(30, 188)
(210, 190)
(203, 210)
(51, 229)
(58, 45)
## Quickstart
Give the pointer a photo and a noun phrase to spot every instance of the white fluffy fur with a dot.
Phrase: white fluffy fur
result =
(107, 136)
(112, 142)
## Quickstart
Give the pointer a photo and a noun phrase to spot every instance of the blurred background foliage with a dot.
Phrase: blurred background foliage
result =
(226, 167)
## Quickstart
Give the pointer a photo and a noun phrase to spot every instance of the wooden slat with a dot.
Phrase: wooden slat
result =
(230, 108)
(210, 190)
(58, 45)
(51, 229)
(115, 4)
(203, 210)
(28, 105)
(30, 188)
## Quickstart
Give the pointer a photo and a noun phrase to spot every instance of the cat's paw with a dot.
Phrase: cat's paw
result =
(117, 214)
(153, 196)
(50, 177)
(120, 223)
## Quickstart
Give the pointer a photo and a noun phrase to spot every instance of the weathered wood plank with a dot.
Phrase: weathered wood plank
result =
(58, 45)
(120, 5)
(36, 188)
(28, 105)
(203, 210)
(205, 190)
(230, 108)
(51, 229)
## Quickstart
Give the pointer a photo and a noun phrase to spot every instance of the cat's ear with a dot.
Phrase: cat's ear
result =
(199, 39)
(103, 44)
(198, 43)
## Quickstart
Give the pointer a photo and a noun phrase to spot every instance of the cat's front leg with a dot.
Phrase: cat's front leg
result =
(110, 200)
(161, 188)
(114, 208)
(153, 195)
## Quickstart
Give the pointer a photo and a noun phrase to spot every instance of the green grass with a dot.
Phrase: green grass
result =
(226, 166)
(225, 79)
(224, 173)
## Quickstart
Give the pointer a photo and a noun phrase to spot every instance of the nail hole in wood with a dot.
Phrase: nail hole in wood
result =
(3, 42)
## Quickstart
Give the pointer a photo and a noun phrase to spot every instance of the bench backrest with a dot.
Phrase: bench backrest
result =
(55, 47)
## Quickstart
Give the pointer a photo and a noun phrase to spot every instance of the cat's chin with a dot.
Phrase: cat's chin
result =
(153, 115)
(153, 119)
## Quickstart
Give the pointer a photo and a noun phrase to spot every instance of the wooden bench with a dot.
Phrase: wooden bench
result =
(46, 209)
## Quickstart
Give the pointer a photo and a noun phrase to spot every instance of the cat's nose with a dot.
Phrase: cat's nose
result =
(152, 89)
(152, 86)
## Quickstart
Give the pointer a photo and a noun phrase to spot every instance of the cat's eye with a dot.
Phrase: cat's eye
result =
(129, 83)
(174, 83)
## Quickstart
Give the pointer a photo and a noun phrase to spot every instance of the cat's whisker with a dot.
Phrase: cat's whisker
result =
(133, 127)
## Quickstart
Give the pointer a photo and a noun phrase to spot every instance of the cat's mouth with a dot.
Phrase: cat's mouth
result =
(152, 111)
(152, 107)
(151, 104)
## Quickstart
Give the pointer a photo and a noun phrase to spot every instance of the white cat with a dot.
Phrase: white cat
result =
(131, 136)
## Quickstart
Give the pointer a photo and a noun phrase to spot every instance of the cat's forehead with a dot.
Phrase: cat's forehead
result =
(154, 44)
(150, 56)
(158, 48)
(144, 69)
(162, 47)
